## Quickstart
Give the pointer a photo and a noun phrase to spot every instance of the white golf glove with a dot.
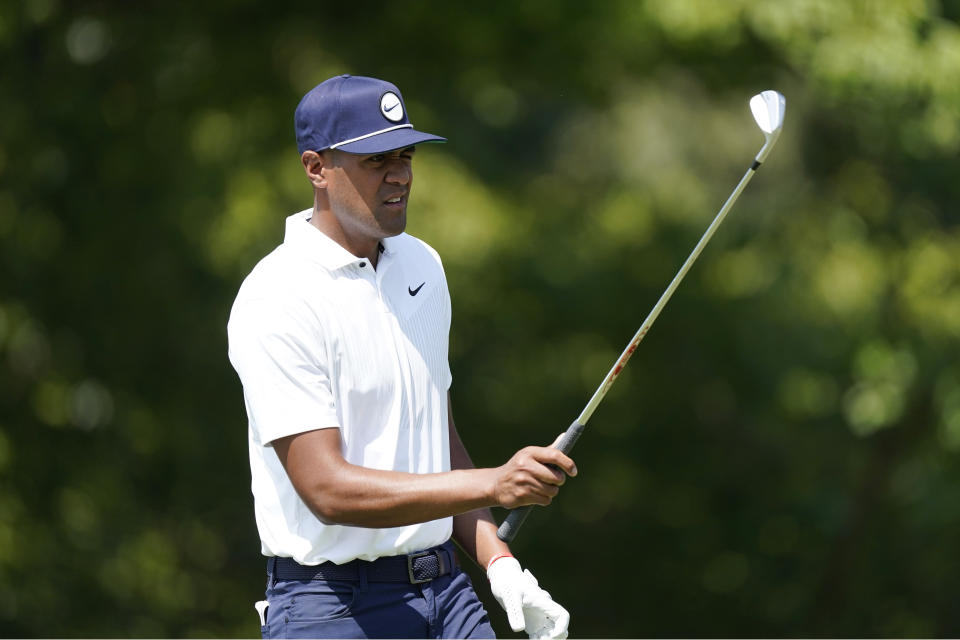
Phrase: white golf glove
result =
(528, 606)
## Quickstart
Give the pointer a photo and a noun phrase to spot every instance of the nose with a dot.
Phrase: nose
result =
(400, 172)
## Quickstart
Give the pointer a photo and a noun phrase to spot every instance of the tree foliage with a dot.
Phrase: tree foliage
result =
(779, 459)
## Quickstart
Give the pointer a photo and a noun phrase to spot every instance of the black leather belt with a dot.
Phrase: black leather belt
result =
(413, 568)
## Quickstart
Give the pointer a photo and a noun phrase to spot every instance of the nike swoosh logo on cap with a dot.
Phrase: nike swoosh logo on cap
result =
(414, 292)
(391, 107)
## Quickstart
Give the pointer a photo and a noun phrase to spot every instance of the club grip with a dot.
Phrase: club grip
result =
(514, 520)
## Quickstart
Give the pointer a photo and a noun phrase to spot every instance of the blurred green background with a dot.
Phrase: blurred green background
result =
(779, 459)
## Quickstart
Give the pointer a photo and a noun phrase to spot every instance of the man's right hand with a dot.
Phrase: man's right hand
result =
(527, 479)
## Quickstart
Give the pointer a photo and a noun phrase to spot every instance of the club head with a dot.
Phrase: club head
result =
(768, 109)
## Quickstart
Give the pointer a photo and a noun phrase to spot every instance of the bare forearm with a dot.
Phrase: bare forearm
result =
(380, 499)
(475, 531)
(339, 492)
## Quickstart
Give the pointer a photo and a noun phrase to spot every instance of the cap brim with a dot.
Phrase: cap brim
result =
(390, 141)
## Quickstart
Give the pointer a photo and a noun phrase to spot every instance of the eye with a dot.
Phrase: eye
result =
(380, 157)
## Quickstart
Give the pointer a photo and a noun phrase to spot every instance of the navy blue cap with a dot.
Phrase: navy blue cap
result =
(355, 114)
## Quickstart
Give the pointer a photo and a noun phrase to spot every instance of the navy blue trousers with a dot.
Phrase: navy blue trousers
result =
(445, 607)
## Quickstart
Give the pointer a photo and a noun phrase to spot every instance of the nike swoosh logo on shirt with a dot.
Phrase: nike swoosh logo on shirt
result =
(414, 292)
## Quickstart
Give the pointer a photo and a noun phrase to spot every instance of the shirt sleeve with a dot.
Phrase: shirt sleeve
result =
(283, 366)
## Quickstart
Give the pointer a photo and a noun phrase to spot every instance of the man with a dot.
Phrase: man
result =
(359, 477)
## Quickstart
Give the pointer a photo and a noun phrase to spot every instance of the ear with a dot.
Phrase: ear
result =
(313, 166)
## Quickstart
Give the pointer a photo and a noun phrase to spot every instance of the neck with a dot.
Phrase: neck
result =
(362, 247)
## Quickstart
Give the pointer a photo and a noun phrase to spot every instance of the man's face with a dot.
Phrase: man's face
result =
(368, 194)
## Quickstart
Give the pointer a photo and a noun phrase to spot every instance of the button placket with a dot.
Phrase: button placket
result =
(380, 276)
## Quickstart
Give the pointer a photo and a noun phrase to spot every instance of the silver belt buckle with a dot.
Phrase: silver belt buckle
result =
(410, 559)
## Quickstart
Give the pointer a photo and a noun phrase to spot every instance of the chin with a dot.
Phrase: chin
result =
(394, 226)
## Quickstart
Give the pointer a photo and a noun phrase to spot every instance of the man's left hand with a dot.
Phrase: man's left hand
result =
(528, 606)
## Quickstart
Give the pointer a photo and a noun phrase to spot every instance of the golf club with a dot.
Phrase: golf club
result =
(768, 110)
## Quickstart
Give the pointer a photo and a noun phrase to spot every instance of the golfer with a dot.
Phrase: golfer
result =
(360, 480)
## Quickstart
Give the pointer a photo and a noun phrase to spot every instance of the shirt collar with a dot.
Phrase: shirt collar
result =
(317, 246)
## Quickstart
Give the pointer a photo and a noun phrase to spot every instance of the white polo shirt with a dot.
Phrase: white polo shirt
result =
(320, 339)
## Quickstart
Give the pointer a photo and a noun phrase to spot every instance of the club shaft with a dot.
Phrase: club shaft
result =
(514, 520)
(664, 298)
